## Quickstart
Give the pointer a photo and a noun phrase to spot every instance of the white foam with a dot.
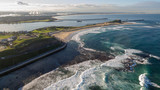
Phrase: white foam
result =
(78, 35)
(155, 85)
(148, 26)
(116, 27)
(156, 57)
(145, 82)
(136, 23)
(145, 61)
(76, 81)
(117, 61)
(70, 82)
(116, 48)
(85, 77)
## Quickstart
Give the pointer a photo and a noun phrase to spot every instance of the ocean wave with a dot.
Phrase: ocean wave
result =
(116, 48)
(136, 23)
(79, 79)
(92, 30)
(117, 61)
(83, 76)
(85, 72)
(70, 82)
(82, 79)
(117, 27)
(153, 56)
(87, 77)
(145, 82)
(148, 26)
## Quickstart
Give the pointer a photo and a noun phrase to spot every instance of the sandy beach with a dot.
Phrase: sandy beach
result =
(66, 36)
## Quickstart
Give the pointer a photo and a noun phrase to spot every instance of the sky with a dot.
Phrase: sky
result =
(146, 6)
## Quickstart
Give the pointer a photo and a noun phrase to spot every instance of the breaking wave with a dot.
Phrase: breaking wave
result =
(145, 82)
(92, 30)
(88, 77)
(95, 72)
(117, 27)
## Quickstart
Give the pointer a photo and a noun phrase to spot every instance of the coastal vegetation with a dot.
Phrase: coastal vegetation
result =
(51, 29)
(4, 36)
(26, 19)
(116, 21)
(17, 47)
(26, 45)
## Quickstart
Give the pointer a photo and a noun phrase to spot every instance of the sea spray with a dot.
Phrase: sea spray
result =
(127, 61)
(78, 35)
(145, 82)
(77, 79)
(118, 27)
(86, 77)
(116, 63)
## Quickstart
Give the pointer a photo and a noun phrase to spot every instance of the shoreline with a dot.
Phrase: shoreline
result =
(65, 67)
(67, 35)
(67, 38)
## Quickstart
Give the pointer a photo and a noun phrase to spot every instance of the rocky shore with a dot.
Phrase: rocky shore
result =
(35, 71)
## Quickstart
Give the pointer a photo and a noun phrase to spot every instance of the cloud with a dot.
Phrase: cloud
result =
(76, 7)
(22, 3)
(146, 7)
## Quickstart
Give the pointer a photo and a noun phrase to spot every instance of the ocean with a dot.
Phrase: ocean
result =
(136, 48)
(141, 36)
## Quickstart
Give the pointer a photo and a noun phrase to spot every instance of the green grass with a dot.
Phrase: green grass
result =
(15, 60)
(21, 45)
(5, 36)
(30, 21)
(33, 46)
(51, 29)
(24, 42)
